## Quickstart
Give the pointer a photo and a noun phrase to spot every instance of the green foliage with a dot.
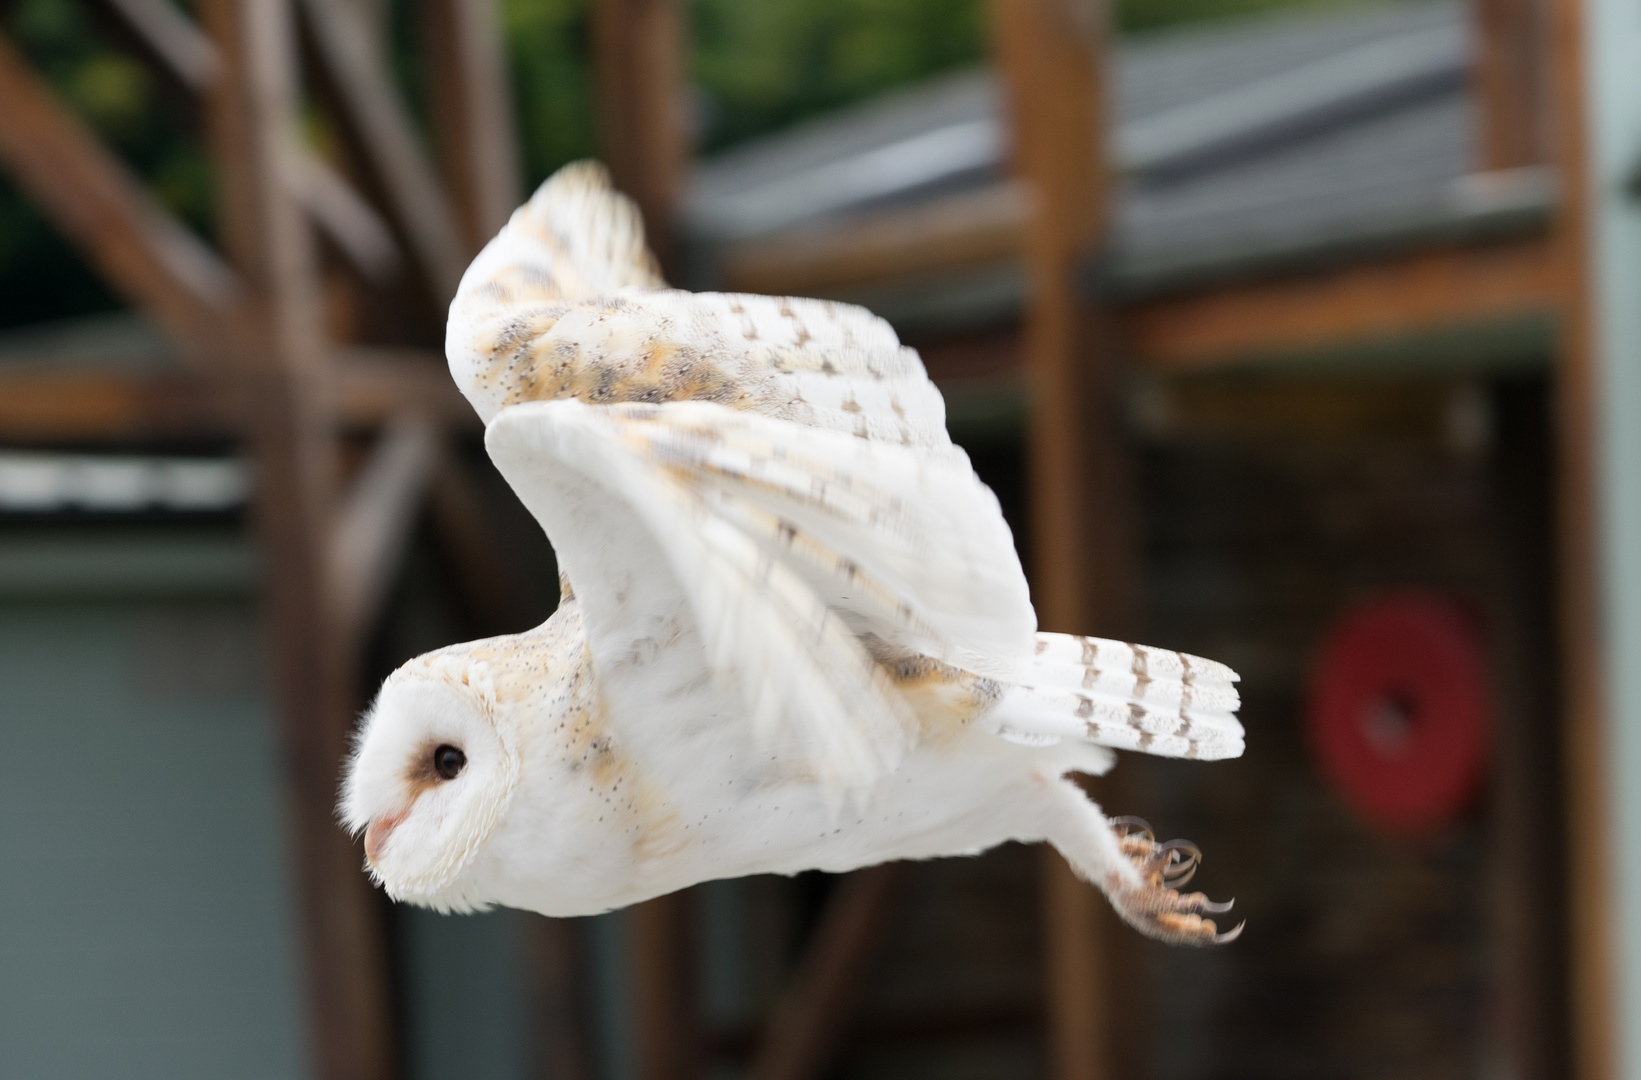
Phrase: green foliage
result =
(761, 64)
(40, 277)
(548, 49)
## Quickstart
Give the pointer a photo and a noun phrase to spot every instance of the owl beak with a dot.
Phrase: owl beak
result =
(376, 834)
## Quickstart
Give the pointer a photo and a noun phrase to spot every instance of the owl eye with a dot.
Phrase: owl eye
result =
(448, 761)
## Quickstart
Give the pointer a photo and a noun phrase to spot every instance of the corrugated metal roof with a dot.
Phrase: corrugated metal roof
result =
(1243, 141)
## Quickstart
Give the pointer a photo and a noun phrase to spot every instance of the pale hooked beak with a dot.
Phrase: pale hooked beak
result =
(376, 834)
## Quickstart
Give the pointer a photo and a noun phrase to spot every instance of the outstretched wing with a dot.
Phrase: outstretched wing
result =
(768, 550)
(565, 303)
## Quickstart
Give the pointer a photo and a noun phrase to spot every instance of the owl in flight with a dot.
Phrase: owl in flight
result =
(794, 631)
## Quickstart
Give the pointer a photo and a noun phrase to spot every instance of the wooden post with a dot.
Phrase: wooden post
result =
(1082, 564)
(280, 358)
(804, 1032)
(639, 56)
(472, 111)
(1590, 858)
(1510, 80)
(668, 1035)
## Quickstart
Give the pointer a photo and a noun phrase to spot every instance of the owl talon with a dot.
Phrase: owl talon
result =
(1158, 908)
(1128, 825)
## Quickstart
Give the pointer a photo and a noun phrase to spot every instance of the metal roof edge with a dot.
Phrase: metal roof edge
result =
(1457, 221)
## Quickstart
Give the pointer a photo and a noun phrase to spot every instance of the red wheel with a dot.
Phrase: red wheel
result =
(1399, 711)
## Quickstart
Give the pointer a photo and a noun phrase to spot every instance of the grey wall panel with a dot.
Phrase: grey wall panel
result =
(145, 918)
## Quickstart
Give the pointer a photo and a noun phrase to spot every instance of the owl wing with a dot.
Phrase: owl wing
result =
(565, 302)
(776, 548)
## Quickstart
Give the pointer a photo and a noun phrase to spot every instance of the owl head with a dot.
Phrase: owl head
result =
(433, 769)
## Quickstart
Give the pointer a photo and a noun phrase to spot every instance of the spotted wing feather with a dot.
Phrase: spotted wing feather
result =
(565, 303)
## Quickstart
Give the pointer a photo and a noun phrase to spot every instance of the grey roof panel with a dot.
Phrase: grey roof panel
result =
(1369, 159)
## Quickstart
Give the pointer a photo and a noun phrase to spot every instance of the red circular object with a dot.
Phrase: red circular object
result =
(1399, 712)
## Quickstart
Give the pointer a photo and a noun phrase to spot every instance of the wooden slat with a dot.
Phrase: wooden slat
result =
(1448, 287)
(803, 1035)
(375, 115)
(472, 112)
(102, 208)
(955, 231)
(280, 357)
(1510, 78)
(372, 530)
(180, 49)
(171, 39)
(639, 57)
(1593, 943)
(347, 220)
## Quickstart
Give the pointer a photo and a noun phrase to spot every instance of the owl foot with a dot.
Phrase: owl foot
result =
(1158, 908)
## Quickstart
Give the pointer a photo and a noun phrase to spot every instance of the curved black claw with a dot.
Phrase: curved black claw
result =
(1158, 908)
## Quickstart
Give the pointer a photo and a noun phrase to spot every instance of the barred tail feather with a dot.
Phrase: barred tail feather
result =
(1127, 697)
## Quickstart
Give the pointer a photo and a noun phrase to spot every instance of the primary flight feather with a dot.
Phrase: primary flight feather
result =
(794, 631)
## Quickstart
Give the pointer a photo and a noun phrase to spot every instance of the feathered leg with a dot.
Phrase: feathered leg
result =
(1138, 875)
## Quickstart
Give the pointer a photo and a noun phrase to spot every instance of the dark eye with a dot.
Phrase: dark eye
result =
(448, 761)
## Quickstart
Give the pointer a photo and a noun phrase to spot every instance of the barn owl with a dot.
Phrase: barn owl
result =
(794, 632)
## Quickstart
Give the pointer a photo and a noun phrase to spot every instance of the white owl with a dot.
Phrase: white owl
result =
(794, 631)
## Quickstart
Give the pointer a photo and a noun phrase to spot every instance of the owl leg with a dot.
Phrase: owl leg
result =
(1139, 876)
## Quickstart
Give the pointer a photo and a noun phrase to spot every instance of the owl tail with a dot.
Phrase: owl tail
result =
(1127, 697)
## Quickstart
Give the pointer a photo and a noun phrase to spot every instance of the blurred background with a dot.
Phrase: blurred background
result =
(1299, 334)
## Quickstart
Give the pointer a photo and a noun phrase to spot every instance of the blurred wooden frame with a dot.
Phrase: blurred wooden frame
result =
(258, 367)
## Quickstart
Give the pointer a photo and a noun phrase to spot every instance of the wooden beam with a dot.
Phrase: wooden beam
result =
(355, 67)
(472, 111)
(804, 1032)
(1444, 287)
(638, 55)
(280, 356)
(1082, 557)
(955, 231)
(347, 220)
(178, 47)
(181, 50)
(369, 384)
(1512, 92)
(372, 530)
(48, 403)
(1594, 946)
(103, 209)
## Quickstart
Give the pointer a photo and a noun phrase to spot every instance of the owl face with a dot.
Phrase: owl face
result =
(431, 774)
